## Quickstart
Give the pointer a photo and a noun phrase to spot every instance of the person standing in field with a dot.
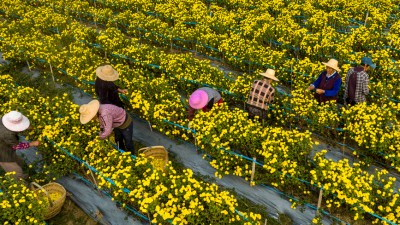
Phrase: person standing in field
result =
(106, 90)
(261, 94)
(108, 93)
(11, 124)
(328, 83)
(357, 80)
(111, 118)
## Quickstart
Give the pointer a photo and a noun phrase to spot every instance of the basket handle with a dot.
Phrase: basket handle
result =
(140, 151)
(41, 188)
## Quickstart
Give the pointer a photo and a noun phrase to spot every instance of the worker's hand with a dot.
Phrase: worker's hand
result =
(34, 143)
(123, 91)
(189, 125)
(308, 89)
(320, 91)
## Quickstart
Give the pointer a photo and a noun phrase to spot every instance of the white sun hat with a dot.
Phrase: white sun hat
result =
(15, 121)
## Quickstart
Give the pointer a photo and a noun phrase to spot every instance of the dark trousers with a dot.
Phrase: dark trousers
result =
(123, 137)
(350, 102)
(255, 111)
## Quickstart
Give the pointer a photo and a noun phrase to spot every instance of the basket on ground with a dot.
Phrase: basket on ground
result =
(158, 156)
(54, 194)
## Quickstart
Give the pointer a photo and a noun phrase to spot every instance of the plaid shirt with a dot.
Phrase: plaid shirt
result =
(261, 94)
(361, 88)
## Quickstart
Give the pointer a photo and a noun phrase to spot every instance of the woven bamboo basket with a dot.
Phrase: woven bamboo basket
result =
(158, 156)
(55, 194)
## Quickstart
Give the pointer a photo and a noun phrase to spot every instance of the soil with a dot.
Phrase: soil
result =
(71, 214)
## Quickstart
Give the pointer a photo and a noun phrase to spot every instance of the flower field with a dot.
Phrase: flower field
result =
(171, 196)
(71, 39)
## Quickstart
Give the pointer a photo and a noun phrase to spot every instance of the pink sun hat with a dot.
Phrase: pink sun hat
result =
(198, 99)
(15, 121)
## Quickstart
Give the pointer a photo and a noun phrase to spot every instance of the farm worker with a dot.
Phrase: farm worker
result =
(12, 123)
(261, 94)
(357, 82)
(328, 84)
(203, 98)
(110, 117)
(106, 90)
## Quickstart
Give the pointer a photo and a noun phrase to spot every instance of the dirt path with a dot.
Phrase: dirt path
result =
(71, 214)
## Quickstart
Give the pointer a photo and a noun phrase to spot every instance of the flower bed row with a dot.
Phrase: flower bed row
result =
(251, 53)
(173, 63)
(172, 196)
(169, 112)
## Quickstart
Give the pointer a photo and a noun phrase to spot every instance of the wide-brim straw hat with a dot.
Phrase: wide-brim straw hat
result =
(332, 63)
(107, 73)
(198, 99)
(270, 73)
(88, 111)
(15, 121)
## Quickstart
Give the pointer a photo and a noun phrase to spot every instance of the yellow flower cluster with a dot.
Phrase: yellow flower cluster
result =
(364, 192)
(282, 152)
(167, 195)
(19, 204)
(373, 127)
(303, 110)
